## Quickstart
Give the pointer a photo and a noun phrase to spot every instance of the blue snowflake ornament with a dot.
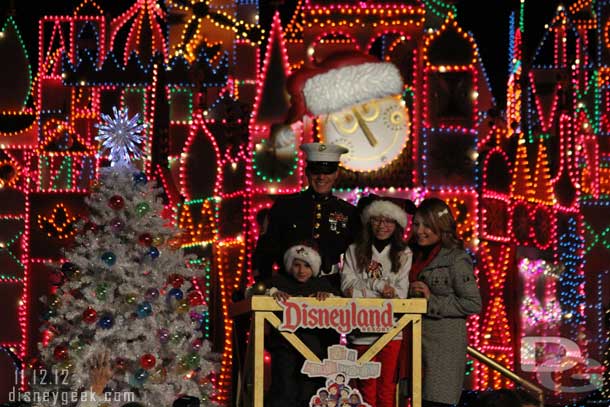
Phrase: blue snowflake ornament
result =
(121, 136)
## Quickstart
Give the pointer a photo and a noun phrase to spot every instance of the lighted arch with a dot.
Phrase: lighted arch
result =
(497, 164)
(197, 129)
(450, 35)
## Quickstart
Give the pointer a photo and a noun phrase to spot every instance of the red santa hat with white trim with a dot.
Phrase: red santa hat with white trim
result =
(342, 80)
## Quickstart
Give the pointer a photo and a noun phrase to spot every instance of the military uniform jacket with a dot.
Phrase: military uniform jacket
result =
(454, 295)
(329, 221)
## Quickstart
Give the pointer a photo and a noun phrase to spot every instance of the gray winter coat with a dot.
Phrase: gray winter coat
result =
(454, 295)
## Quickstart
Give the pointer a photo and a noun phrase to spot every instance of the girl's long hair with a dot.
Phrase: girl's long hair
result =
(437, 215)
(364, 247)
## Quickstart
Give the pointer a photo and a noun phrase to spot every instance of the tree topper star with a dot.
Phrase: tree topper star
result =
(121, 136)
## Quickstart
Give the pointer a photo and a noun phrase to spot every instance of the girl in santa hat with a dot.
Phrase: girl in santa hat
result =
(377, 266)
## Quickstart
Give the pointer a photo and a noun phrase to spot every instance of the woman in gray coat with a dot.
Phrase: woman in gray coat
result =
(442, 272)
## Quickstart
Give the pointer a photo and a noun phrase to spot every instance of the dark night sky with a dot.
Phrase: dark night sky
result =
(487, 20)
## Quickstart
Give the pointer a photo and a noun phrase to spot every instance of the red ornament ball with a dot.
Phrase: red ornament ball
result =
(60, 352)
(176, 280)
(89, 315)
(145, 239)
(195, 298)
(116, 202)
(147, 361)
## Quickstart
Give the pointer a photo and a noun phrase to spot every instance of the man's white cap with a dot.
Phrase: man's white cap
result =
(318, 152)
(323, 158)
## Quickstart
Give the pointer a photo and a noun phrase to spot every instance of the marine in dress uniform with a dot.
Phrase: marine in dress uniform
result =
(311, 215)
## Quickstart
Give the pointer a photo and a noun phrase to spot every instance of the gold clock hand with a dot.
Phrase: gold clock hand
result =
(365, 129)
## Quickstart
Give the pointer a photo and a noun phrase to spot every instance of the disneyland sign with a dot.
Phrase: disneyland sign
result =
(344, 319)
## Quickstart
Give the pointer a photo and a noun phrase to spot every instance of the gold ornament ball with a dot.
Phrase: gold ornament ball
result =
(158, 241)
(182, 306)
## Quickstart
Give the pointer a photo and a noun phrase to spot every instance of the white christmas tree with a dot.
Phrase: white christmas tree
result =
(127, 289)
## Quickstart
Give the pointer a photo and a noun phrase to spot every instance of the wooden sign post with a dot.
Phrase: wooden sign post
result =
(341, 314)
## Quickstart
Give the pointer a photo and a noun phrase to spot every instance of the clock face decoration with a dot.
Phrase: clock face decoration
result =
(374, 132)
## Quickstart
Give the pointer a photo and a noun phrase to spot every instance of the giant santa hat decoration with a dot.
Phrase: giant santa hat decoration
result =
(342, 80)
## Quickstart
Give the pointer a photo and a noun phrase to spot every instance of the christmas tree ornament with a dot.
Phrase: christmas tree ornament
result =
(182, 306)
(142, 208)
(196, 344)
(163, 335)
(195, 298)
(176, 337)
(131, 298)
(117, 225)
(109, 258)
(60, 352)
(106, 321)
(176, 280)
(153, 252)
(193, 360)
(151, 294)
(140, 178)
(145, 239)
(101, 290)
(140, 376)
(158, 241)
(144, 309)
(90, 315)
(147, 361)
(116, 202)
(175, 293)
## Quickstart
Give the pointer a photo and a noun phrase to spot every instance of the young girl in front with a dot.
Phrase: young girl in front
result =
(377, 266)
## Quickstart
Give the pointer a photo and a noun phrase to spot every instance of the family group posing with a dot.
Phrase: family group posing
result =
(306, 235)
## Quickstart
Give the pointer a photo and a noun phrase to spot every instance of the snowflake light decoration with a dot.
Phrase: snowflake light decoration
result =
(121, 136)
